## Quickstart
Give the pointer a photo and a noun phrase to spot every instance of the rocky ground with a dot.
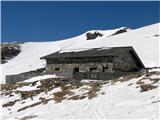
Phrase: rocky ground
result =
(9, 51)
(22, 98)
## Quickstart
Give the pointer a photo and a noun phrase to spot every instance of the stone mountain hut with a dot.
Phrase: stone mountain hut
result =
(96, 63)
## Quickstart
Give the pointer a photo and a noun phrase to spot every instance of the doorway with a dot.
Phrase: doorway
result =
(75, 70)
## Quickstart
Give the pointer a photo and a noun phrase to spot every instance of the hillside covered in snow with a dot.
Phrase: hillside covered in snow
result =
(145, 41)
(48, 97)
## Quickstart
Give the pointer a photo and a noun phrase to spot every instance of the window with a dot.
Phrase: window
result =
(93, 69)
(75, 70)
(57, 69)
(105, 69)
(109, 67)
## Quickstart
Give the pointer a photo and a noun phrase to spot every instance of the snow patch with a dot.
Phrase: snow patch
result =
(43, 77)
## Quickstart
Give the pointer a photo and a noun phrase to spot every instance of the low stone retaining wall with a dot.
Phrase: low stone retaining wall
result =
(96, 75)
(23, 76)
(79, 75)
(104, 75)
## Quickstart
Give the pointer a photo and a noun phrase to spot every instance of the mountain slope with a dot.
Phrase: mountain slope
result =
(144, 40)
(129, 97)
(50, 97)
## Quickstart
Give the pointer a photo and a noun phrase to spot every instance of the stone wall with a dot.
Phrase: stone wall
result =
(105, 69)
(67, 70)
(23, 76)
(98, 75)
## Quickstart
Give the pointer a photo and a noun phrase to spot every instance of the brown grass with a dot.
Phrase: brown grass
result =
(65, 84)
(28, 94)
(21, 84)
(7, 93)
(66, 90)
(147, 87)
(152, 73)
(59, 96)
(43, 100)
(140, 82)
(33, 105)
(155, 80)
(47, 84)
(91, 94)
(8, 87)
(95, 87)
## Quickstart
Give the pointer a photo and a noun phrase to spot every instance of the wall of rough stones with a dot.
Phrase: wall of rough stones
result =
(23, 76)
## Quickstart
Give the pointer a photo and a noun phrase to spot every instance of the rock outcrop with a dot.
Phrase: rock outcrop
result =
(91, 36)
(9, 51)
(120, 31)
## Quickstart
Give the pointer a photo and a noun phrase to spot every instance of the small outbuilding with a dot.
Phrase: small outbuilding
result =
(97, 63)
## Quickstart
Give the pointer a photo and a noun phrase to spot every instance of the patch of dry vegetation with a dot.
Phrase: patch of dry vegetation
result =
(67, 86)
(149, 74)
(28, 94)
(155, 80)
(125, 78)
(21, 84)
(47, 85)
(140, 82)
(34, 104)
(95, 87)
(59, 96)
(147, 87)
(8, 87)
(43, 101)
